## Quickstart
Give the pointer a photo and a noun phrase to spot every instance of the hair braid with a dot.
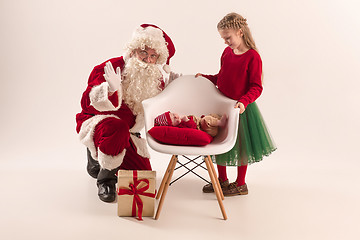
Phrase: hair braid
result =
(236, 21)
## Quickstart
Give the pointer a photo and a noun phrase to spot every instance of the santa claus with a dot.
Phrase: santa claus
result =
(112, 114)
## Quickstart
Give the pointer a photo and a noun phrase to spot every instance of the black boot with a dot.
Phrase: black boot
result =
(106, 181)
(93, 166)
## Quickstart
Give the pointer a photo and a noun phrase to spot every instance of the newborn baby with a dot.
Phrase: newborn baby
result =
(209, 123)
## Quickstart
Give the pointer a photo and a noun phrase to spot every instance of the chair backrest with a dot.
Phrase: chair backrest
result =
(188, 95)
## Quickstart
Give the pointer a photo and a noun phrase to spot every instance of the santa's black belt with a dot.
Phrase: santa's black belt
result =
(136, 134)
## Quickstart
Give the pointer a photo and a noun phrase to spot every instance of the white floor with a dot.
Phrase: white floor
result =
(44, 196)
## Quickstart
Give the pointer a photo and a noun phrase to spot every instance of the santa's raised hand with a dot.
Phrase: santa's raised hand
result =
(112, 78)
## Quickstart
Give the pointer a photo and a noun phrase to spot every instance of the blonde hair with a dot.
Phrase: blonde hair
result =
(237, 22)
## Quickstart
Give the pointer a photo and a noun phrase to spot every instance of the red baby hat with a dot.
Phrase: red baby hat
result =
(163, 119)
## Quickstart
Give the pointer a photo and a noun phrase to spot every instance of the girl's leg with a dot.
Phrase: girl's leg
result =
(224, 182)
(222, 173)
(241, 175)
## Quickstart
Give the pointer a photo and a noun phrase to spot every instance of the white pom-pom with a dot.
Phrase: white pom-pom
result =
(167, 68)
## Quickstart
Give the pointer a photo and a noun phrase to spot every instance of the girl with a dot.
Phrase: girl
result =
(240, 78)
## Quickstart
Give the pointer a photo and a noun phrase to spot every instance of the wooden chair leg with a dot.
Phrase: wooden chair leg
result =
(166, 175)
(216, 178)
(172, 165)
(217, 187)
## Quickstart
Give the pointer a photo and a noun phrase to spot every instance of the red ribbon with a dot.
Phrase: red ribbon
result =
(137, 202)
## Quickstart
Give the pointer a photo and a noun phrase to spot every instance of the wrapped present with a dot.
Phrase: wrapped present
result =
(136, 193)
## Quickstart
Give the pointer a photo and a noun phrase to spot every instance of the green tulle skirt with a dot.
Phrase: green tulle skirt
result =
(253, 141)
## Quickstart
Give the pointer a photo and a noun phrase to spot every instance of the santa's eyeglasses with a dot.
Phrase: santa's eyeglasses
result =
(143, 54)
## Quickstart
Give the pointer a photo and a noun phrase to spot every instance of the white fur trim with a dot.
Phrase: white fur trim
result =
(99, 98)
(139, 123)
(110, 162)
(141, 146)
(87, 130)
(167, 68)
(165, 75)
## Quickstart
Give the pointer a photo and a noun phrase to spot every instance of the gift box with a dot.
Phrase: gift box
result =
(136, 193)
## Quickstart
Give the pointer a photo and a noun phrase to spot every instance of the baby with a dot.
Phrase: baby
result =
(209, 123)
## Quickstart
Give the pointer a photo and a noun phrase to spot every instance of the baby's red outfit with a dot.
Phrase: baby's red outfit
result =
(189, 124)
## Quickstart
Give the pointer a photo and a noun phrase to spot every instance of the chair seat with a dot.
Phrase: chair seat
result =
(188, 95)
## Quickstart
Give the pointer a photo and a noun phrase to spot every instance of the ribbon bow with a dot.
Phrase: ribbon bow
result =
(133, 190)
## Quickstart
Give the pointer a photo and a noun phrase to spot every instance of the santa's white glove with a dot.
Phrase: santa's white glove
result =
(112, 78)
(173, 76)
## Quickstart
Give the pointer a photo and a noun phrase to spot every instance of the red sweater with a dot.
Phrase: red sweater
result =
(239, 77)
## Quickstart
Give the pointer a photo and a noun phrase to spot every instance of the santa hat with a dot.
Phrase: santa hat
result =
(153, 37)
(163, 119)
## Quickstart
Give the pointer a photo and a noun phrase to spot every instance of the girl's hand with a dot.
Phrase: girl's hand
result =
(241, 106)
(198, 74)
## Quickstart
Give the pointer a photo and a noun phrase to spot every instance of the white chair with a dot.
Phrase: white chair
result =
(188, 95)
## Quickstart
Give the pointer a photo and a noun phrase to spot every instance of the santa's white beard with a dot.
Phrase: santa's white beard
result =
(141, 81)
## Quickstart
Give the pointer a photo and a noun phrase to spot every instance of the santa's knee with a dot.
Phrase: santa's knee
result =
(111, 139)
(112, 136)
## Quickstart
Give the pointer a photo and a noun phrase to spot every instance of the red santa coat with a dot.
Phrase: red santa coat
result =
(97, 108)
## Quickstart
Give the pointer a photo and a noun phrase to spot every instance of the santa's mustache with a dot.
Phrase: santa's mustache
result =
(141, 64)
(135, 67)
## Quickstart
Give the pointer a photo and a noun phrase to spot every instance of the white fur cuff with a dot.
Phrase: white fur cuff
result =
(139, 123)
(110, 162)
(99, 98)
(141, 146)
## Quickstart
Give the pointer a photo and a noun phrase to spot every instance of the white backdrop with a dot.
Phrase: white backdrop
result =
(310, 52)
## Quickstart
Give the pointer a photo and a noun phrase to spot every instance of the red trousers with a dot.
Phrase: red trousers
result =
(112, 137)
